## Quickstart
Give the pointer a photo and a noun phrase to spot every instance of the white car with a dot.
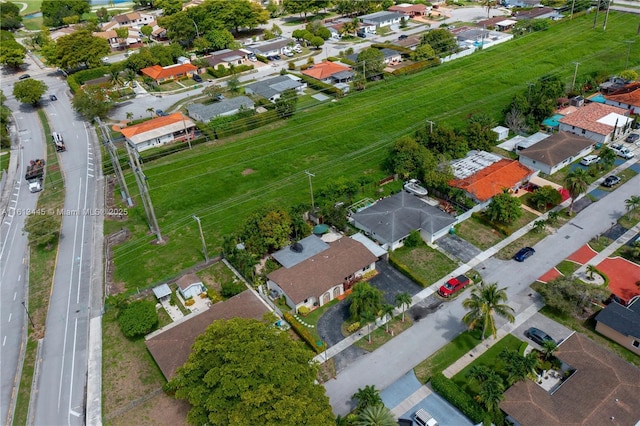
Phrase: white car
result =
(622, 151)
(589, 159)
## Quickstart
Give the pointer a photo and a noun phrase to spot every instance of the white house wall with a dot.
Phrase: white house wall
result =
(586, 133)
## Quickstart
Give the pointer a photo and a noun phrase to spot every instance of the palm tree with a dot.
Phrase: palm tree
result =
(114, 77)
(150, 111)
(129, 116)
(376, 415)
(538, 226)
(576, 183)
(591, 269)
(368, 317)
(480, 373)
(486, 300)
(491, 393)
(364, 298)
(518, 366)
(548, 347)
(387, 310)
(607, 158)
(552, 217)
(403, 300)
(632, 203)
(366, 397)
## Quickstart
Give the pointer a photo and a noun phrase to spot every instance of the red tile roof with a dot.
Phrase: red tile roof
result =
(491, 180)
(630, 94)
(587, 117)
(157, 72)
(154, 123)
(325, 70)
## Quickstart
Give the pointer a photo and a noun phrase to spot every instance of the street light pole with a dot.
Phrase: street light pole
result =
(204, 245)
(28, 316)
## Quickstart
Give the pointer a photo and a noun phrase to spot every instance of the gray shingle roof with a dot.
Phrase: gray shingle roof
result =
(624, 320)
(273, 86)
(393, 218)
(207, 112)
(311, 246)
(557, 148)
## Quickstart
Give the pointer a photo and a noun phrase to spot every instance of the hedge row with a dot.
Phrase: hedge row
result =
(503, 229)
(417, 66)
(303, 332)
(323, 87)
(406, 271)
(459, 398)
(78, 79)
(223, 71)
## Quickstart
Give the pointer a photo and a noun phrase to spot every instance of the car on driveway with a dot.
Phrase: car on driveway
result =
(524, 253)
(611, 181)
(589, 159)
(633, 138)
(538, 336)
(453, 286)
(24, 77)
(403, 37)
(197, 78)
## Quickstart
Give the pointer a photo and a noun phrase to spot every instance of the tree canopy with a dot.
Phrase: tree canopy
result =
(504, 208)
(485, 301)
(286, 103)
(10, 18)
(243, 371)
(571, 296)
(55, 11)
(11, 52)
(29, 91)
(441, 41)
(92, 102)
(77, 49)
(371, 62)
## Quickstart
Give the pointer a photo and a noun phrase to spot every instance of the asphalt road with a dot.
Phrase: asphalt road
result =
(29, 145)
(439, 326)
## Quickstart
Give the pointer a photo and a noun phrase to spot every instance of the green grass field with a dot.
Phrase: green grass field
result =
(223, 183)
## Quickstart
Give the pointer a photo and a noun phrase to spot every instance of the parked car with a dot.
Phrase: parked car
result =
(622, 151)
(524, 253)
(589, 159)
(220, 96)
(53, 97)
(611, 181)
(297, 48)
(288, 53)
(24, 77)
(632, 138)
(538, 336)
(252, 57)
(197, 78)
(403, 37)
(160, 113)
(453, 286)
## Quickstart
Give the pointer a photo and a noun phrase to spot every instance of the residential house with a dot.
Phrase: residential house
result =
(410, 10)
(479, 37)
(556, 152)
(231, 106)
(172, 72)
(271, 47)
(390, 221)
(538, 13)
(522, 3)
(390, 56)
(160, 131)
(598, 122)
(158, 33)
(190, 285)
(381, 19)
(170, 346)
(505, 25)
(613, 84)
(134, 19)
(226, 58)
(627, 97)
(483, 183)
(273, 88)
(621, 324)
(133, 39)
(324, 276)
(330, 72)
(602, 389)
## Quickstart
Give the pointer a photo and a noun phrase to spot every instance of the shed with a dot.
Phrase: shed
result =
(503, 132)
(162, 291)
(190, 286)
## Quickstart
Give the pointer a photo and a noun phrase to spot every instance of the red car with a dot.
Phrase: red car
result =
(453, 286)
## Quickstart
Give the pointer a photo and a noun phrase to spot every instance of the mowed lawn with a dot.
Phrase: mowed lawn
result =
(223, 183)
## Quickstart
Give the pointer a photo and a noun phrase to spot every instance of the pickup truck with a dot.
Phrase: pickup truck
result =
(35, 185)
(622, 151)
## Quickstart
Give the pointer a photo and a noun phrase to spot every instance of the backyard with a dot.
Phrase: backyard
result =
(425, 263)
(328, 140)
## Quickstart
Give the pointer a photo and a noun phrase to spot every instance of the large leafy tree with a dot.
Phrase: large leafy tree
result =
(407, 157)
(267, 229)
(364, 298)
(138, 318)
(43, 229)
(504, 208)
(11, 52)
(10, 18)
(441, 41)
(5, 113)
(29, 91)
(286, 104)
(92, 102)
(479, 134)
(576, 183)
(571, 296)
(546, 196)
(78, 49)
(243, 371)
(486, 301)
(423, 52)
(54, 11)
(371, 62)
(443, 140)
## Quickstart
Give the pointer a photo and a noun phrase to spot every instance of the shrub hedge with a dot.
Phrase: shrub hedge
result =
(138, 318)
(406, 271)
(321, 86)
(303, 332)
(459, 398)
(78, 79)
(416, 66)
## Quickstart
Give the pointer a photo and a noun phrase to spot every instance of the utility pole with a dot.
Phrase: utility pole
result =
(28, 316)
(431, 123)
(573, 3)
(141, 180)
(204, 245)
(575, 73)
(186, 132)
(595, 19)
(311, 187)
(606, 15)
(113, 154)
(629, 43)
(530, 85)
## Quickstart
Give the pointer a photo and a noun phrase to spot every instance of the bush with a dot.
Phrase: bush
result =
(413, 240)
(456, 396)
(303, 332)
(231, 288)
(354, 327)
(321, 86)
(189, 302)
(138, 318)
(78, 79)
(303, 310)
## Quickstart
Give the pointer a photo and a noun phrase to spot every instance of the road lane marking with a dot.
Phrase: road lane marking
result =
(73, 361)
(19, 276)
(15, 294)
(10, 315)
(4, 340)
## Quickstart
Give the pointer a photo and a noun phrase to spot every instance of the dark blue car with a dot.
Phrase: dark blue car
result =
(524, 253)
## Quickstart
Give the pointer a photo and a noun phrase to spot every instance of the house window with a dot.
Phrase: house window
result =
(584, 131)
(636, 344)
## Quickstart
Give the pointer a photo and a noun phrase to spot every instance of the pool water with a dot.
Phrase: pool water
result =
(598, 98)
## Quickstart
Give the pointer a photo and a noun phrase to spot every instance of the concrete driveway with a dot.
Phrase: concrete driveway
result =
(554, 329)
